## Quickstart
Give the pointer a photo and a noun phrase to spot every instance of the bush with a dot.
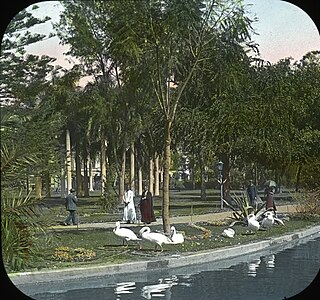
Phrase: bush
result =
(69, 254)
(18, 229)
(308, 203)
(109, 202)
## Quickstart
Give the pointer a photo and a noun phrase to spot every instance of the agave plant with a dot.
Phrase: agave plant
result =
(242, 208)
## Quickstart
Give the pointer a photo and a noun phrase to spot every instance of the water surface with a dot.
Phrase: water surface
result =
(270, 274)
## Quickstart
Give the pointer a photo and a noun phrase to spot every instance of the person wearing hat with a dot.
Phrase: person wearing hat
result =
(71, 206)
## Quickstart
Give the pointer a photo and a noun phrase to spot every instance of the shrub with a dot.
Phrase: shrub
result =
(308, 203)
(68, 254)
(18, 229)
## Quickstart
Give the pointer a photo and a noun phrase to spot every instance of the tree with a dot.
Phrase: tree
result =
(167, 40)
(306, 118)
(23, 76)
(25, 125)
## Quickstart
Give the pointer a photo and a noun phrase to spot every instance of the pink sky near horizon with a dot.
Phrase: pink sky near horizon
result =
(284, 31)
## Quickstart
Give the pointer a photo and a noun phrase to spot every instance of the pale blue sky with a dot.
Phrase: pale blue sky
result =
(284, 30)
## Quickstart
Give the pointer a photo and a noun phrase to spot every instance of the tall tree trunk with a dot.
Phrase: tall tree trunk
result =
(63, 178)
(103, 166)
(38, 186)
(166, 179)
(298, 173)
(47, 183)
(151, 177)
(132, 171)
(122, 175)
(68, 160)
(85, 177)
(156, 175)
(140, 180)
(203, 186)
(78, 173)
(226, 176)
(192, 177)
(90, 175)
(203, 178)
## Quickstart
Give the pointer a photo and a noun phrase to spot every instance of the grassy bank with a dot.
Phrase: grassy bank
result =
(74, 248)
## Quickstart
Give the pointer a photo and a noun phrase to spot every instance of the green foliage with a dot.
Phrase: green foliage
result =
(19, 227)
(23, 76)
(109, 203)
(109, 199)
(28, 130)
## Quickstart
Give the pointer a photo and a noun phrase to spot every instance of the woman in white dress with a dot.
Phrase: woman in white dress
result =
(129, 212)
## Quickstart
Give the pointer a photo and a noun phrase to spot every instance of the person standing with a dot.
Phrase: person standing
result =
(146, 207)
(252, 193)
(129, 211)
(270, 204)
(71, 206)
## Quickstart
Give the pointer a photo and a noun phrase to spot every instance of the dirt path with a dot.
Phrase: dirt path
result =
(174, 220)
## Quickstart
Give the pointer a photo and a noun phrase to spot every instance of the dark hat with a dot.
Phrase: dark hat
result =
(72, 190)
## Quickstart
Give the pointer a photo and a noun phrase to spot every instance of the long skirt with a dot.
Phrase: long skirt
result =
(129, 213)
(146, 209)
(270, 202)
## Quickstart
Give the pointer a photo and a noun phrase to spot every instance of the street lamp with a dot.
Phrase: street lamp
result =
(220, 180)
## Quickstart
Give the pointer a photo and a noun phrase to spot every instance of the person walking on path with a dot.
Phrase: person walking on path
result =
(252, 193)
(71, 206)
(129, 211)
(146, 207)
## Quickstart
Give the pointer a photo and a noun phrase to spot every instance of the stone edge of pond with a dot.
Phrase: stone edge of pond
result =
(163, 262)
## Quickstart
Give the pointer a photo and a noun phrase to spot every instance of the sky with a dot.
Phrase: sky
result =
(283, 30)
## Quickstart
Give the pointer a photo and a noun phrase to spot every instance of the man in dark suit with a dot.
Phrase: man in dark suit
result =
(252, 193)
(71, 206)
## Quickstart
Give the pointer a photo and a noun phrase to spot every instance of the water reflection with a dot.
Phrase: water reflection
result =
(163, 288)
(253, 266)
(259, 268)
(249, 276)
(124, 288)
(270, 262)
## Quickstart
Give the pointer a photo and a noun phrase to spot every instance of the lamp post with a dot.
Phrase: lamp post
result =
(220, 180)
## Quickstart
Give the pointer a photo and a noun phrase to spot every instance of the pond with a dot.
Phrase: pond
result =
(271, 274)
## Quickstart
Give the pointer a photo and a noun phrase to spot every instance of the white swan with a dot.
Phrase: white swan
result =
(154, 237)
(253, 224)
(268, 220)
(125, 233)
(277, 220)
(229, 232)
(176, 238)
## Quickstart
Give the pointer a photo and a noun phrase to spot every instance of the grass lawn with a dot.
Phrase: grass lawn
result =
(79, 247)
(74, 248)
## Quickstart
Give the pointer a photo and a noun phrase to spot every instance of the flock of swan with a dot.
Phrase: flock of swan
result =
(255, 223)
(156, 238)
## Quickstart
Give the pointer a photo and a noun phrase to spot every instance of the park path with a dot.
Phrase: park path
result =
(211, 217)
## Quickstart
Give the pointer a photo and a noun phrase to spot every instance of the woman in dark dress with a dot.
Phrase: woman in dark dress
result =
(146, 207)
(270, 205)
